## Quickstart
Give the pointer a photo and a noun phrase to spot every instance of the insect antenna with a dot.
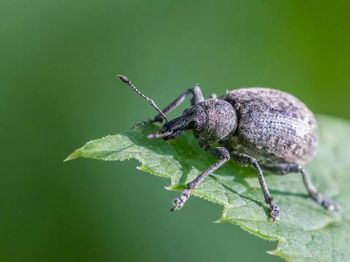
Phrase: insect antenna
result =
(126, 81)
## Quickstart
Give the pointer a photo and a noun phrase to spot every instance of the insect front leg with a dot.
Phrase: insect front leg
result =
(222, 155)
(197, 96)
(311, 189)
(244, 159)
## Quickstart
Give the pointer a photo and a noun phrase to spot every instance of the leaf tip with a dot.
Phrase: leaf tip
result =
(72, 156)
(219, 221)
(168, 188)
(276, 252)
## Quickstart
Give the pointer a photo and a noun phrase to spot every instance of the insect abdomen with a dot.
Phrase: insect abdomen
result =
(273, 126)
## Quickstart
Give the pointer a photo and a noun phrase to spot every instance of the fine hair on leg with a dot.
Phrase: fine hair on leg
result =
(315, 195)
(220, 153)
(283, 169)
(197, 96)
(244, 159)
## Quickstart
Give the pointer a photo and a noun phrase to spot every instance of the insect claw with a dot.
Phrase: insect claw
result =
(180, 201)
(331, 206)
(176, 205)
(275, 213)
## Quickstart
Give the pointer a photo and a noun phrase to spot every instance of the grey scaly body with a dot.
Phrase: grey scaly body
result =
(274, 127)
(262, 127)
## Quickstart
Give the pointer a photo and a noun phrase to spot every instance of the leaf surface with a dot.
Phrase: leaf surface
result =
(305, 232)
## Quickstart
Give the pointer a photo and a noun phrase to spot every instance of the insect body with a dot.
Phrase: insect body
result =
(265, 128)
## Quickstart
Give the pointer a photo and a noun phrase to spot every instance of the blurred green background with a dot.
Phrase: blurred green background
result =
(58, 61)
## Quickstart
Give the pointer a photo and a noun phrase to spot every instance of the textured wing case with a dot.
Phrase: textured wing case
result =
(273, 126)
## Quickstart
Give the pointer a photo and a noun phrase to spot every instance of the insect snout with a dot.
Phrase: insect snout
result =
(169, 130)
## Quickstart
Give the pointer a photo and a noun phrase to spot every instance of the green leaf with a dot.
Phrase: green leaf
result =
(306, 232)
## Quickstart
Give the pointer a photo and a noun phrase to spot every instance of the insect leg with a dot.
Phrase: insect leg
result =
(311, 189)
(315, 195)
(195, 91)
(220, 153)
(244, 159)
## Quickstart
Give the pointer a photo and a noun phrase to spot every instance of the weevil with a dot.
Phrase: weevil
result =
(260, 127)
